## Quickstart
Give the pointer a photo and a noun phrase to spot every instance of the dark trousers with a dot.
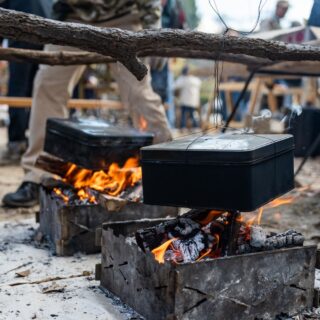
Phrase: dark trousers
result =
(187, 112)
(21, 77)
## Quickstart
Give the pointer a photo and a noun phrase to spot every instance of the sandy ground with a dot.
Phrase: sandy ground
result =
(79, 297)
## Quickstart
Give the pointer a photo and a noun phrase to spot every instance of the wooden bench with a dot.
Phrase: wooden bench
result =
(21, 102)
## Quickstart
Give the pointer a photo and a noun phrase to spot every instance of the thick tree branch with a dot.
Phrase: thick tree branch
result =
(125, 46)
(77, 58)
(53, 58)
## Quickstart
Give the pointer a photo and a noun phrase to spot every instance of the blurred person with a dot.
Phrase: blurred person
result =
(314, 19)
(162, 77)
(21, 76)
(274, 22)
(310, 84)
(54, 84)
(189, 96)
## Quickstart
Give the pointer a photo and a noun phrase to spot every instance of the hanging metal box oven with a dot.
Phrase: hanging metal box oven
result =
(224, 172)
(93, 144)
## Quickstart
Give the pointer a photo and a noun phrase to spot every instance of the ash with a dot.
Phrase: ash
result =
(125, 310)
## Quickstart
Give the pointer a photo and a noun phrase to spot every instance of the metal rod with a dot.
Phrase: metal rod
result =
(309, 152)
(237, 104)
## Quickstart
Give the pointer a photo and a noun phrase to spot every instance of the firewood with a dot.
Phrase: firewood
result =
(290, 238)
(190, 248)
(49, 183)
(283, 240)
(150, 238)
(258, 237)
(229, 237)
(184, 227)
(52, 164)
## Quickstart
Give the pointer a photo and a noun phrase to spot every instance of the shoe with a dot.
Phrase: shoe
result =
(26, 196)
(13, 153)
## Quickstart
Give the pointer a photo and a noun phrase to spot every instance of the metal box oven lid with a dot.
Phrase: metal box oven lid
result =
(98, 132)
(219, 148)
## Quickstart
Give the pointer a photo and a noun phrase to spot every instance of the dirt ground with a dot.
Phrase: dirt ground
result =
(79, 297)
(67, 299)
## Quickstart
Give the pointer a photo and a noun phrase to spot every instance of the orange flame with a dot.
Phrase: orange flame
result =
(112, 182)
(273, 204)
(160, 251)
(280, 201)
(143, 124)
(260, 212)
(204, 255)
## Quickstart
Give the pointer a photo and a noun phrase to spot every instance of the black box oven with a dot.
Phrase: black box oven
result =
(224, 172)
(93, 144)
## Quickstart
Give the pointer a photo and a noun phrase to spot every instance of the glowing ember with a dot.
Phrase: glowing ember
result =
(61, 195)
(204, 237)
(83, 195)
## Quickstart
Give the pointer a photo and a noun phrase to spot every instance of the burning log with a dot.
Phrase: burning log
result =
(189, 249)
(209, 234)
(184, 239)
(183, 227)
(260, 242)
(52, 164)
(150, 238)
(112, 189)
(258, 237)
(230, 235)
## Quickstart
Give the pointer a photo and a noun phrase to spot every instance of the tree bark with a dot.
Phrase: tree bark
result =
(126, 46)
(64, 58)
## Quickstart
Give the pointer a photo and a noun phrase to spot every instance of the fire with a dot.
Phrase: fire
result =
(61, 195)
(82, 194)
(204, 255)
(143, 124)
(160, 251)
(260, 212)
(206, 239)
(112, 182)
(273, 204)
(280, 201)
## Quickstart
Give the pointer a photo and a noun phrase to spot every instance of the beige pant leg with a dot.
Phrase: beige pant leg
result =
(53, 86)
(142, 102)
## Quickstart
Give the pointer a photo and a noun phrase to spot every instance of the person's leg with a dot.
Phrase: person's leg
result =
(142, 102)
(192, 117)
(53, 86)
(184, 111)
(52, 89)
(20, 83)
